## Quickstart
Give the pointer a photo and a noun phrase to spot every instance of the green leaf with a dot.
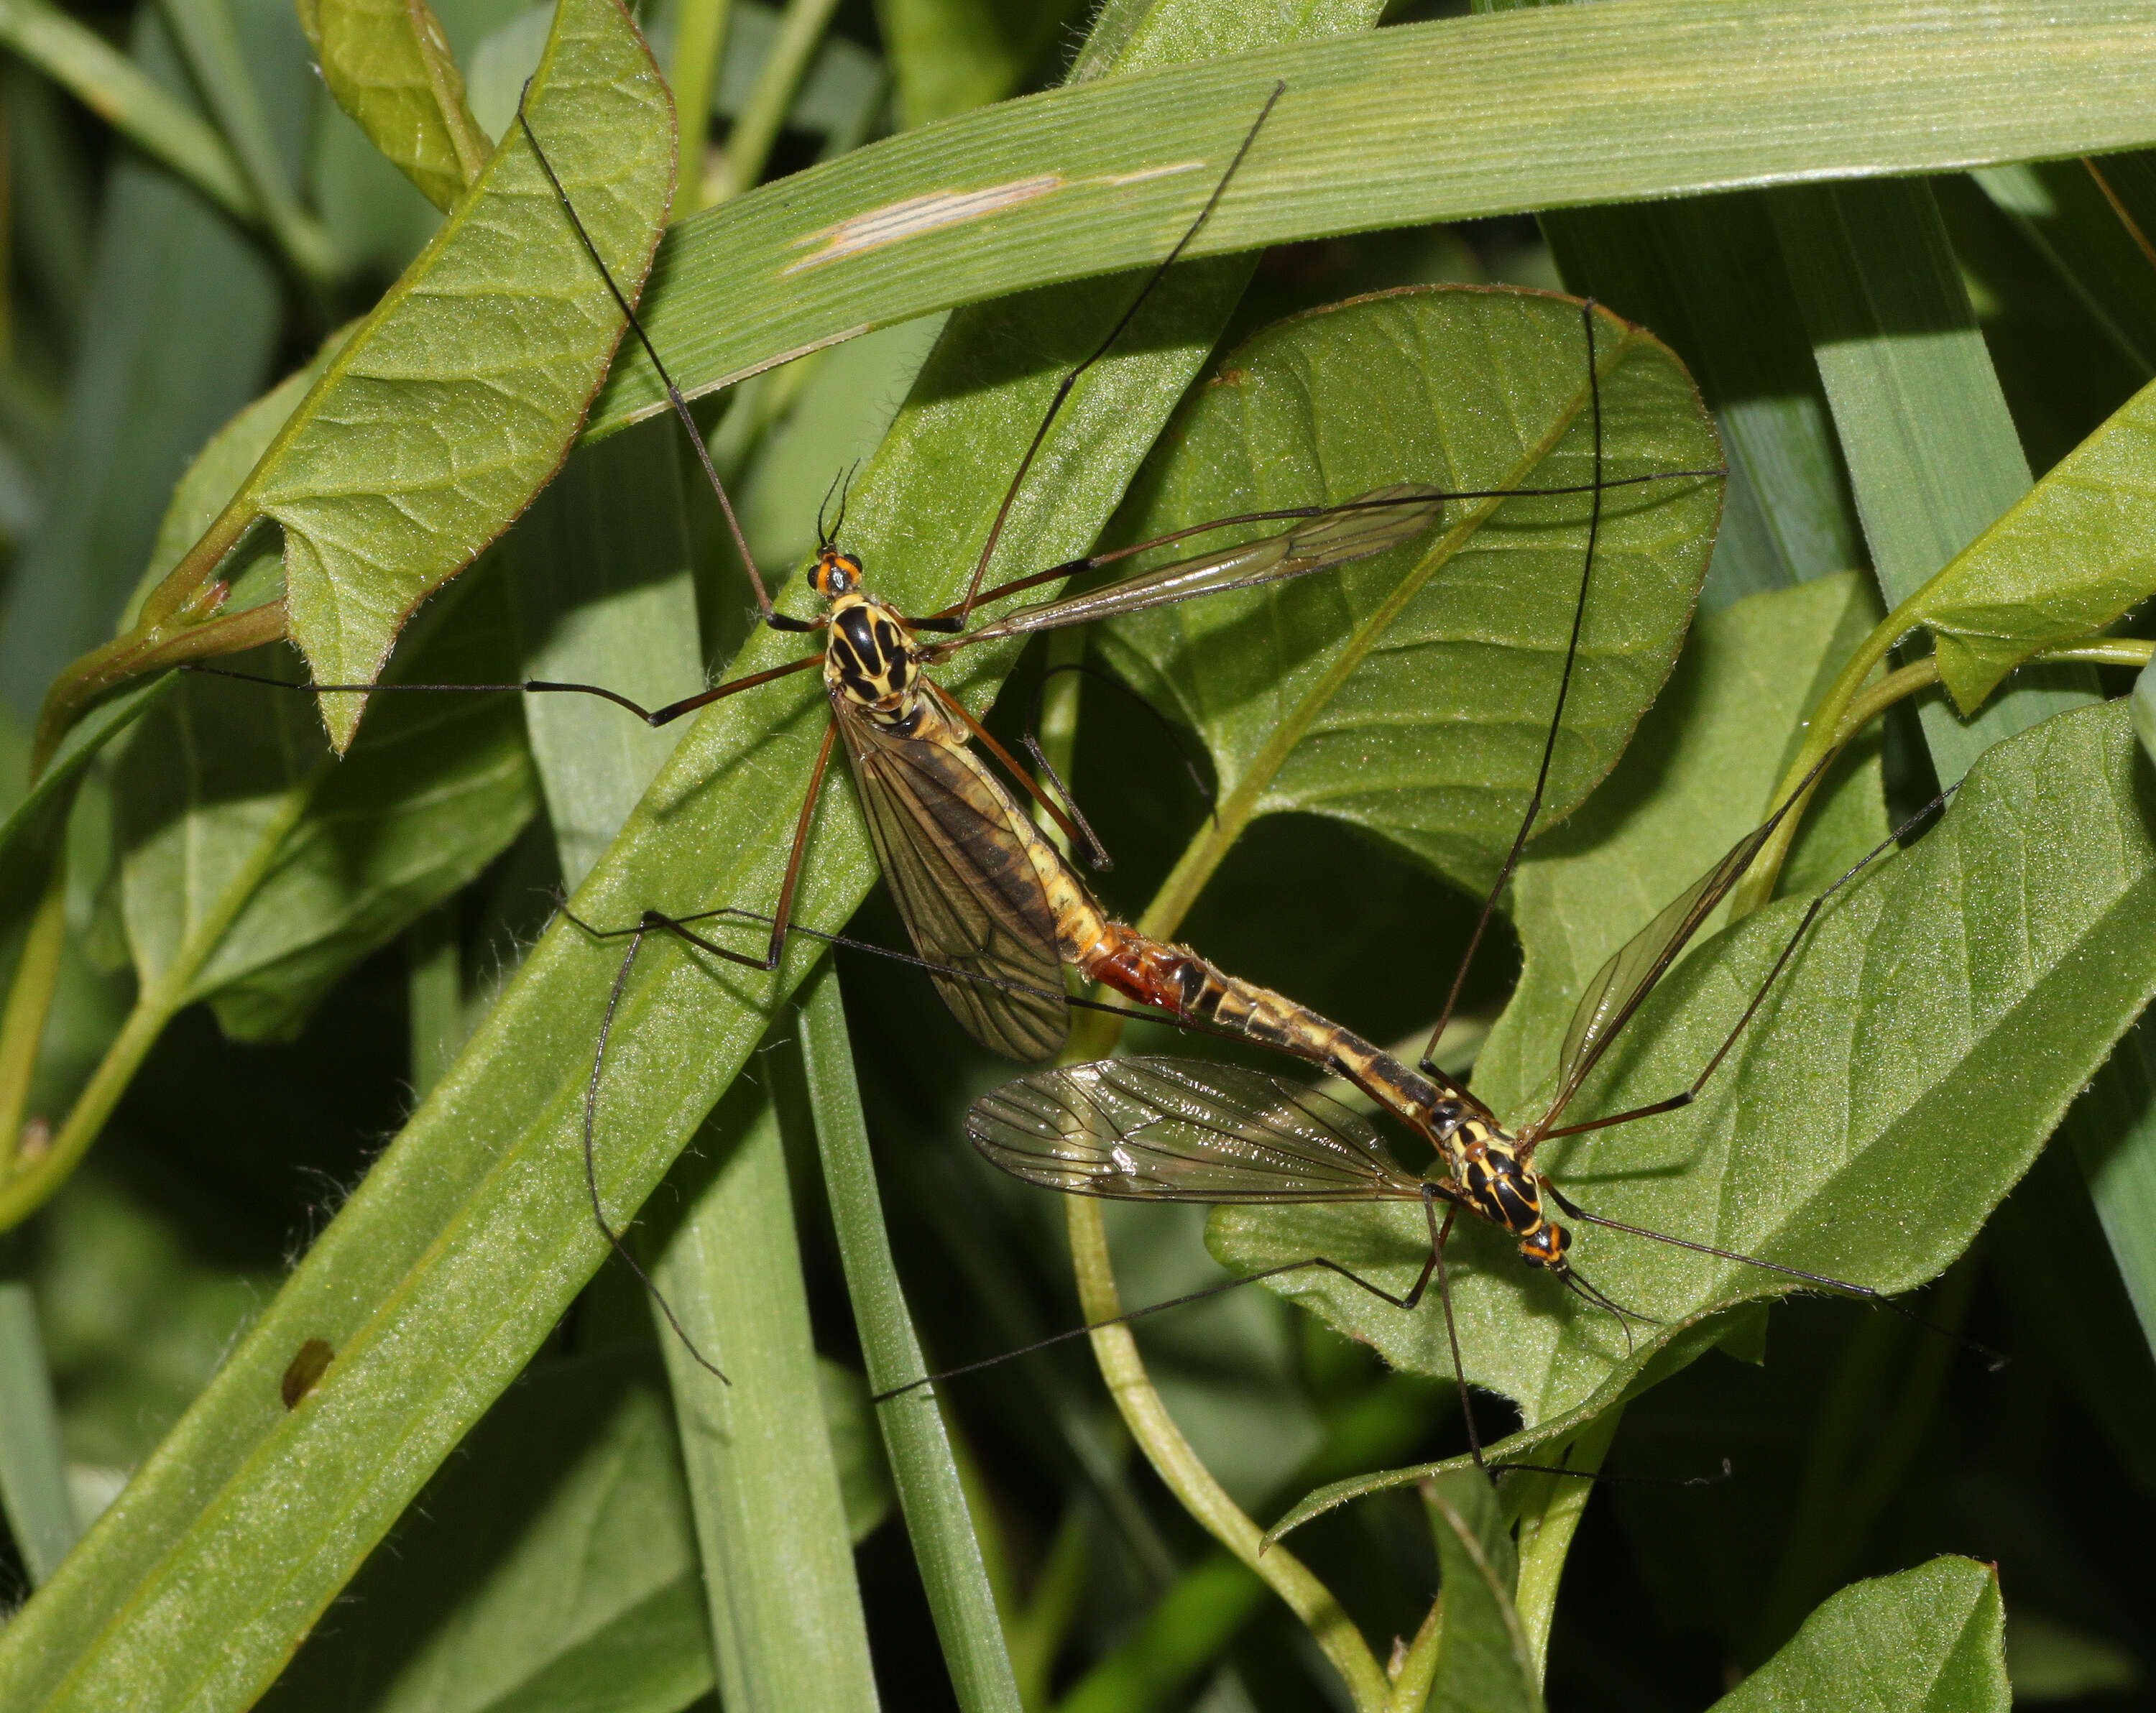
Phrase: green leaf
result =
(396, 470)
(472, 1613)
(1702, 773)
(1483, 1664)
(1925, 1641)
(1407, 694)
(2071, 554)
(460, 1252)
(1987, 969)
(389, 66)
(1400, 127)
(33, 1489)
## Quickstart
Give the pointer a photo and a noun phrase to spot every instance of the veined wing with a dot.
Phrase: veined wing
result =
(1178, 1129)
(960, 876)
(1622, 983)
(1367, 524)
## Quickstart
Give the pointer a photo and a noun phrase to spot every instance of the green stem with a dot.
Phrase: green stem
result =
(30, 1187)
(30, 1003)
(1191, 1483)
(148, 648)
(700, 48)
(209, 37)
(748, 147)
(1846, 708)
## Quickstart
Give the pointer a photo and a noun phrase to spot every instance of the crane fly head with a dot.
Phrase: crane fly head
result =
(835, 572)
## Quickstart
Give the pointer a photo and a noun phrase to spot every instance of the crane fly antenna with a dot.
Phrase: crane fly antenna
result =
(1116, 332)
(1556, 717)
(771, 616)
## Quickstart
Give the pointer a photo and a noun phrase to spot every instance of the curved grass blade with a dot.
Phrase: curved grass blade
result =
(1433, 121)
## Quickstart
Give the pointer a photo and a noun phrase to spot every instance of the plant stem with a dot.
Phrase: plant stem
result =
(1191, 1483)
(801, 29)
(700, 49)
(29, 1001)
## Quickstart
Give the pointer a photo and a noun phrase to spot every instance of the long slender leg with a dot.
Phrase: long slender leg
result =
(1557, 716)
(1405, 1303)
(1080, 835)
(1676, 1102)
(784, 914)
(535, 686)
(1862, 1293)
(771, 616)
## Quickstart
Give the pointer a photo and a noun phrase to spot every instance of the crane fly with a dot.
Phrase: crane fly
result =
(983, 896)
(1155, 1129)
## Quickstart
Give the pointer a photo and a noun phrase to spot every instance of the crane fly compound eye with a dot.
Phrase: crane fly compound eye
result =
(836, 573)
(1547, 1247)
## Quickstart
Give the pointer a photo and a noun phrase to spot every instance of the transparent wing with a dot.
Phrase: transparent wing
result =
(969, 897)
(1183, 1131)
(1367, 524)
(1622, 984)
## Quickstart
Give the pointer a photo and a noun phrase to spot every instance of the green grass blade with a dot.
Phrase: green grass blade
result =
(180, 323)
(929, 1493)
(1930, 1637)
(1933, 455)
(224, 71)
(784, 1607)
(1706, 275)
(1542, 109)
(34, 1485)
(114, 88)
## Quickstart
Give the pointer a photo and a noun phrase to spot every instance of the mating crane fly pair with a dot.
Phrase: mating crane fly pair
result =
(994, 913)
